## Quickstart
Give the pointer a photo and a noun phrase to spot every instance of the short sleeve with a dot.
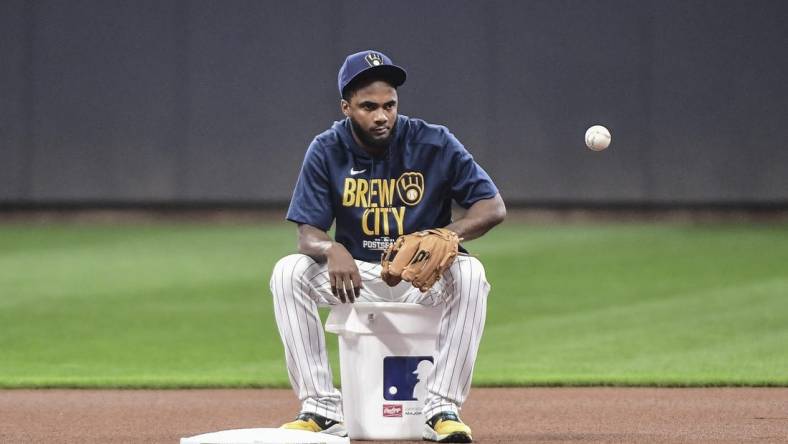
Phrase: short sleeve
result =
(468, 180)
(311, 201)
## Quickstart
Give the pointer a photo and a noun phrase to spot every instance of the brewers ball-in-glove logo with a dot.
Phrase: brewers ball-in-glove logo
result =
(410, 187)
(374, 59)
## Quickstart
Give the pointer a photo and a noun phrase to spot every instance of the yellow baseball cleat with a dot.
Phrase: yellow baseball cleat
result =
(311, 422)
(447, 427)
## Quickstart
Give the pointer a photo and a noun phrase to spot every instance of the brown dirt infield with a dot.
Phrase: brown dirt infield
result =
(496, 415)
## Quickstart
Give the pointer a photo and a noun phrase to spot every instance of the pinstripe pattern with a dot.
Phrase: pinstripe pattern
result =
(299, 285)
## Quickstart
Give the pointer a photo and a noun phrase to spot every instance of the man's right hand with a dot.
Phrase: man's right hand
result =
(343, 273)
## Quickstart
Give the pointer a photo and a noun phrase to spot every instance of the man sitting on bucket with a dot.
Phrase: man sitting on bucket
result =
(388, 182)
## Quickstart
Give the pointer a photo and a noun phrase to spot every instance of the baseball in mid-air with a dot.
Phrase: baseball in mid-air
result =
(597, 138)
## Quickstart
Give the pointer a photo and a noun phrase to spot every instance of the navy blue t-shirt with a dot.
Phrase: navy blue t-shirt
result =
(376, 199)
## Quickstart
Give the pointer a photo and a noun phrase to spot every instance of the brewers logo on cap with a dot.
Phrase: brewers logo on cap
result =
(364, 61)
(374, 59)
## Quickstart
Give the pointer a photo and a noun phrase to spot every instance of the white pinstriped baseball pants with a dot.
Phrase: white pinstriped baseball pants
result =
(299, 285)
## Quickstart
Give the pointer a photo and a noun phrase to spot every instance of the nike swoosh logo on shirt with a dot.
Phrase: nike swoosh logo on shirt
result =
(354, 172)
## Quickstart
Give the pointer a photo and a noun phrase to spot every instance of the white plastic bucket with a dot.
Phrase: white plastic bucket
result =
(386, 352)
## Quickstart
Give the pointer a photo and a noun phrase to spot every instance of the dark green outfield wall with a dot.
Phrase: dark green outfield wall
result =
(140, 101)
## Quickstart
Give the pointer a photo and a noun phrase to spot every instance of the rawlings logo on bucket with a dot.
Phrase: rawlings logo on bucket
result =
(392, 410)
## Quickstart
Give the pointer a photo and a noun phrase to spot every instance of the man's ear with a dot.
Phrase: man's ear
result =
(345, 106)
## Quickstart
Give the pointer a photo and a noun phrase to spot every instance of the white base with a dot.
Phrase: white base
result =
(264, 436)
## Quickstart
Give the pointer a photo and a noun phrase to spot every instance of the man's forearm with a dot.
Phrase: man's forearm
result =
(480, 218)
(313, 242)
(469, 229)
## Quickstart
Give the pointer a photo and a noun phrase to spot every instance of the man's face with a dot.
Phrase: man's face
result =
(373, 112)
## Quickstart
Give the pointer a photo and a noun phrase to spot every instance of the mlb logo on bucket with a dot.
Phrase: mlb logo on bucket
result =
(405, 377)
(392, 410)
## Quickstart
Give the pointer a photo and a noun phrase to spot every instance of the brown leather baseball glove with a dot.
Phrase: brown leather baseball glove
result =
(420, 258)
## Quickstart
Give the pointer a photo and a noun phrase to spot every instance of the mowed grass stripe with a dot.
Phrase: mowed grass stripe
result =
(188, 305)
(730, 337)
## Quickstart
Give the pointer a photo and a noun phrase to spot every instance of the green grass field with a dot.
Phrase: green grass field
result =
(188, 305)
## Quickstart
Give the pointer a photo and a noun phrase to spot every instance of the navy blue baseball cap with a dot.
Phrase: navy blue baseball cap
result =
(370, 62)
